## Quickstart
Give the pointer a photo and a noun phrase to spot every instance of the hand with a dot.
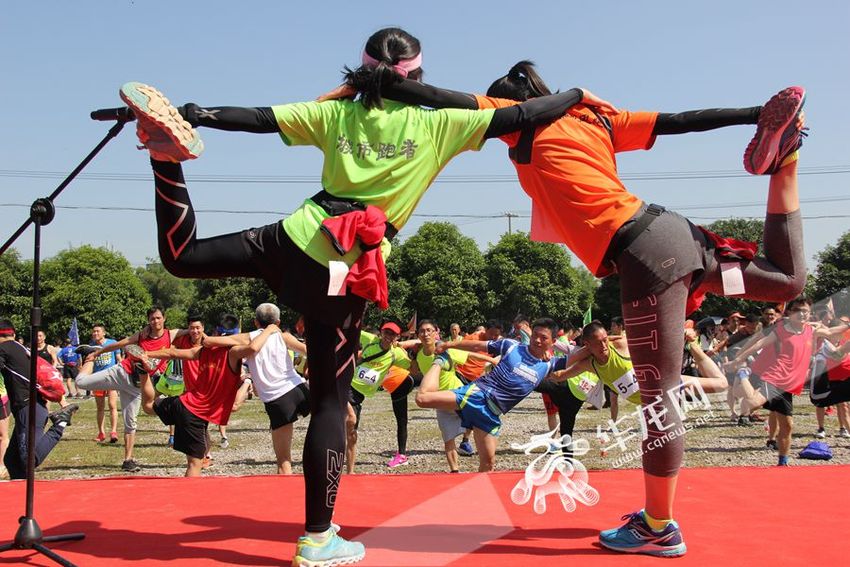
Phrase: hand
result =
(342, 91)
(690, 335)
(441, 346)
(590, 99)
(274, 328)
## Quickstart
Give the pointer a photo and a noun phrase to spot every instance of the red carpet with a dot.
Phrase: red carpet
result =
(750, 516)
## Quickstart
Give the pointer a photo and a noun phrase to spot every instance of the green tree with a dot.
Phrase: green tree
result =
(533, 278)
(832, 275)
(238, 296)
(606, 302)
(16, 290)
(442, 271)
(95, 285)
(175, 295)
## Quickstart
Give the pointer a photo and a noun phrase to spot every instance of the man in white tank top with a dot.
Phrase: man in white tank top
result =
(281, 389)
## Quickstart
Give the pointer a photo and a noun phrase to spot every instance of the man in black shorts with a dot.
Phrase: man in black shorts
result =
(281, 389)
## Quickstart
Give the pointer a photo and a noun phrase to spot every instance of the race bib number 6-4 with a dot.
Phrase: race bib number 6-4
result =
(626, 385)
(366, 376)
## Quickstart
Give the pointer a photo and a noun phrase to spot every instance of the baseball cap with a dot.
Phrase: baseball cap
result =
(392, 327)
(736, 315)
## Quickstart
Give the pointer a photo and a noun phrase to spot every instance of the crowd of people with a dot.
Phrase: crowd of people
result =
(761, 360)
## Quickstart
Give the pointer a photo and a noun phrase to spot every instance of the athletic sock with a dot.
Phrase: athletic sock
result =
(655, 524)
(783, 460)
(790, 158)
(320, 537)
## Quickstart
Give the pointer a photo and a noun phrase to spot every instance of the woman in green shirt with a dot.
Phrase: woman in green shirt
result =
(380, 157)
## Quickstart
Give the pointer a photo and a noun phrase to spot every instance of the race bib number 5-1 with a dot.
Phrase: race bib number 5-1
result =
(366, 376)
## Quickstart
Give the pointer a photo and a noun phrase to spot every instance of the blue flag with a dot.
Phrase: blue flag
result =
(74, 333)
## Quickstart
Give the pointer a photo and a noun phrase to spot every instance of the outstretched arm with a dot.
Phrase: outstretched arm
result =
(241, 339)
(257, 120)
(469, 345)
(134, 339)
(171, 352)
(256, 343)
(294, 344)
(705, 119)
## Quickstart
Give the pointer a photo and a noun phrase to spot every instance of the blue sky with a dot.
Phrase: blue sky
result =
(64, 59)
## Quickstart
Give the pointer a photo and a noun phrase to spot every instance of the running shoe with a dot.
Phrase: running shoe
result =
(101, 437)
(161, 129)
(85, 350)
(113, 438)
(843, 433)
(137, 353)
(171, 440)
(465, 449)
(397, 461)
(64, 414)
(820, 434)
(224, 443)
(771, 444)
(333, 551)
(130, 466)
(779, 132)
(635, 536)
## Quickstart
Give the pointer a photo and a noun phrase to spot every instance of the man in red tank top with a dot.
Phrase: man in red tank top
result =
(782, 367)
(124, 377)
(208, 397)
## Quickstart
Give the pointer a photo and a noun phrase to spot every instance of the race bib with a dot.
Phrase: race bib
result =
(585, 385)
(366, 376)
(626, 385)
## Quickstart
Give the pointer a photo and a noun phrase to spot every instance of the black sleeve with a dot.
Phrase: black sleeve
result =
(706, 119)
(531, 113)
(420, 94)
(258, 120)
(547, 386)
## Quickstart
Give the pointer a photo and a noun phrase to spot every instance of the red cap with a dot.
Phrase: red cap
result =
(392, 327)
(736, 315)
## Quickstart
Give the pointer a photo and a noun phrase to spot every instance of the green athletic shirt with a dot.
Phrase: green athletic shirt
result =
(368, 376)
(448, 374)
(383, 157)
(618, 374)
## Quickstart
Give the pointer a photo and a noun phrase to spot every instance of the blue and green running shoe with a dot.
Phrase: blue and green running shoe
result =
(635, 536)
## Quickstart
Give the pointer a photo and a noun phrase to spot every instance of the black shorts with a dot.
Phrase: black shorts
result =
(826, 392)
(355, 398)
(669, 249)
(190, 431)
(778, 400)
(289, 407)
(70, 372)
(303, 283)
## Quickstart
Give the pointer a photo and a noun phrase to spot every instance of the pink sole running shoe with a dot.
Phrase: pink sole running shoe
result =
(161, 129)
(397, 461)
(778, 134)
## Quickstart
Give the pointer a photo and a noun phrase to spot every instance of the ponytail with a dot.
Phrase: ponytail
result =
(521, 83)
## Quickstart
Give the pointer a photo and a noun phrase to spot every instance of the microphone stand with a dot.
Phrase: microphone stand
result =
(42, 211)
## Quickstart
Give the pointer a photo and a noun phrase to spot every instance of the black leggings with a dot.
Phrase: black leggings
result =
(399, 400)
(331, 324)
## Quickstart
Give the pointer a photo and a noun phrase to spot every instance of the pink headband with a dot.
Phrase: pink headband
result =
(403, 67)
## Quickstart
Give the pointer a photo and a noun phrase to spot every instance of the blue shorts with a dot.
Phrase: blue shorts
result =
(475, 411)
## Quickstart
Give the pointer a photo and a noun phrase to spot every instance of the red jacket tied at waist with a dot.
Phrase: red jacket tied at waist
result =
(725, 248)
(368, 276)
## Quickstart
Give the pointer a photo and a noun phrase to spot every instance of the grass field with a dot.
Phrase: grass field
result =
(713, 442)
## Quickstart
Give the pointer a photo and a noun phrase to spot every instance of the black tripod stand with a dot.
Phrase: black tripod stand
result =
(29, 534)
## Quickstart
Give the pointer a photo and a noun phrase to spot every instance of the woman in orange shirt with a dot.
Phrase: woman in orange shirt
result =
(665, 263)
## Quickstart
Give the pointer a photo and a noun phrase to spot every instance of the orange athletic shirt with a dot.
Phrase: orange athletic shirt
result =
(572, 178)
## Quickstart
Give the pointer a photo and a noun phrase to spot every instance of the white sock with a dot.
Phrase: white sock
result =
(320, 536)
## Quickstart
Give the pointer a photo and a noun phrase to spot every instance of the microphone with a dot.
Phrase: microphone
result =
(123, 114)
